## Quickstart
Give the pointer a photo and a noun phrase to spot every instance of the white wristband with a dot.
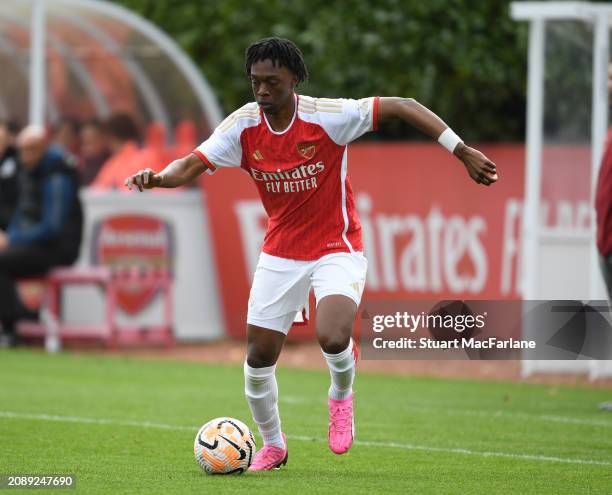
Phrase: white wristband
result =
(449, 139)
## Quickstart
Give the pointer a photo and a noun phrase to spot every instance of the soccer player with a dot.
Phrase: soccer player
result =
(295, 149)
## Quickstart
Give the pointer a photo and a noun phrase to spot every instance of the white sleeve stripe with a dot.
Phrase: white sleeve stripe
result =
(343, 171)
(344, 120)
(233, 120)
(248, 111)
(318, 106)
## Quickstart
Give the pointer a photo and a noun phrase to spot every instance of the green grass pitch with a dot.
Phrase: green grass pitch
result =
(127, 425)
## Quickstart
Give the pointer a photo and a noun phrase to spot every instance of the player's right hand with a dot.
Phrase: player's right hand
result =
(143, 179)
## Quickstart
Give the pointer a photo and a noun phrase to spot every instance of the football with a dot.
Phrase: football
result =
(224, 446)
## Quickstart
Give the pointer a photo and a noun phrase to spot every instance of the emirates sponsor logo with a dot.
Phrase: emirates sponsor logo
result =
(306, 149)
(298, 179)
(302, 172)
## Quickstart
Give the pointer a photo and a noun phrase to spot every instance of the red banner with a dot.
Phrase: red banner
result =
(429, 231)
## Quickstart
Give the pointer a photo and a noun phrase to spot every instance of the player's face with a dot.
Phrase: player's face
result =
(272, 86)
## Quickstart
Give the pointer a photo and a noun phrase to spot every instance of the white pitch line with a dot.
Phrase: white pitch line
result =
(92, 421)
(452, 411)
(513, 415)
(508, 455)
(366, 443)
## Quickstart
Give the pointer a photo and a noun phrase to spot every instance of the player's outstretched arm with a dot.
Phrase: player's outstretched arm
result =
(479, 167)
(175, 174)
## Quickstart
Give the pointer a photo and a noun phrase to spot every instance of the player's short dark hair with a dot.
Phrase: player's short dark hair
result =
(281, 52)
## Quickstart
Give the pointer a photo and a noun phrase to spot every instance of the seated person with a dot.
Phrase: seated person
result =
(66, 135)
(8, 172)
(45, 230)
(94, 151)
(127, 157)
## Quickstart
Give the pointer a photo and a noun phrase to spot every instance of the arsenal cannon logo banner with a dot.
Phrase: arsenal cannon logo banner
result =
(133, 242)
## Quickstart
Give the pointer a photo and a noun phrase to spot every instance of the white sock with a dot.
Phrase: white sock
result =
(342, 371)
(262, 395)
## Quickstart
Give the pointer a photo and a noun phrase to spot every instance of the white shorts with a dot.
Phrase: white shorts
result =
(281, 286)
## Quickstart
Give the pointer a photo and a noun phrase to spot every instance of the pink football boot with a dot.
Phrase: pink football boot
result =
(341, 425)
(270, 457)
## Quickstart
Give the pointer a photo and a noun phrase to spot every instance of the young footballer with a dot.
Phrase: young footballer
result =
(295, 149)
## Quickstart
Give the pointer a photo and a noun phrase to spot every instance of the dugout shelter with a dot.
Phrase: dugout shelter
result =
(86, 59)
(89, 58)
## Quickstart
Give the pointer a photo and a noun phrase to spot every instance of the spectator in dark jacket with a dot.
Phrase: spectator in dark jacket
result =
(8, 172)
(45, 230)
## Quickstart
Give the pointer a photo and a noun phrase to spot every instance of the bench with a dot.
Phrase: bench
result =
(110, 281)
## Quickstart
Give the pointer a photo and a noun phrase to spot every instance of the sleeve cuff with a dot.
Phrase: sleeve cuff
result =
(210, 168)
(375, 113)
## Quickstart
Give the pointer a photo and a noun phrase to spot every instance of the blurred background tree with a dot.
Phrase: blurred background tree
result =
(465, 59)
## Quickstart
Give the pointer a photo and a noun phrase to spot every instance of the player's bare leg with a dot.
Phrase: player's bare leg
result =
(335, 317)
(263, 348)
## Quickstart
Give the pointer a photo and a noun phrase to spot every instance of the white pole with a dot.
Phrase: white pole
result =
(599, 124)
(531, 202)
(38, 80)
(531, 207)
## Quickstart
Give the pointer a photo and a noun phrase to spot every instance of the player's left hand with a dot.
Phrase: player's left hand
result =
(481, 169)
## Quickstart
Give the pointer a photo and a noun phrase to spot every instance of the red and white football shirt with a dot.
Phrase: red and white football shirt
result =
(300, 173)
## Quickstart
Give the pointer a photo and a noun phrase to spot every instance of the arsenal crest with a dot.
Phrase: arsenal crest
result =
(133, 241)
(306, 149)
